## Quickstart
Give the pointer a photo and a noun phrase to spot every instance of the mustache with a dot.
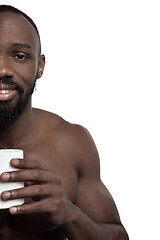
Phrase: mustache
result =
(11, 82)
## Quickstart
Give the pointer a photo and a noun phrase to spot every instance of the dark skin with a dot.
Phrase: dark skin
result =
(64, 196)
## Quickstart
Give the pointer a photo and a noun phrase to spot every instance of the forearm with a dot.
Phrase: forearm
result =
(82, 227)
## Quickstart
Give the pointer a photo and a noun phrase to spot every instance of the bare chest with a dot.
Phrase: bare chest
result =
(34, 226)
(60, 163)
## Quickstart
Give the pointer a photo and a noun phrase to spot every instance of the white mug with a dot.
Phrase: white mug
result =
(5, 157)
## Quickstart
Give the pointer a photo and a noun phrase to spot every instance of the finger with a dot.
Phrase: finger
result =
(34, 207)
(28, 175)
(25, 164)
(27, 192)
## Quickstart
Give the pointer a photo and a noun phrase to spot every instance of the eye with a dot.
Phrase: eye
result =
(20, 56)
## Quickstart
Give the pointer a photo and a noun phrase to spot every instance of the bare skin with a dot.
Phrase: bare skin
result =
(64, 196)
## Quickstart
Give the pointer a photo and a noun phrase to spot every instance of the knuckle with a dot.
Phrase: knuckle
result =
(45, 205)
(17, 175)
(13, 194)
(21, 209)
(36, 164)
(57, 180)
(14, 175)
(38, 190)
(38, 208)
(58, 204)
(21, 163)
(36, 174)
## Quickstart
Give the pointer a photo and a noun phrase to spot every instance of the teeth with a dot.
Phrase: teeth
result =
(5, 91)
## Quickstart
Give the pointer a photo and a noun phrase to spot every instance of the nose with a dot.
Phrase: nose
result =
(6, 69)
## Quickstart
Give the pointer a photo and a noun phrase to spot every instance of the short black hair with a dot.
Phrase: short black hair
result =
(8, 8)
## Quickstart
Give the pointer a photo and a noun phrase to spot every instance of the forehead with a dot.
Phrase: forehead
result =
(16, 28)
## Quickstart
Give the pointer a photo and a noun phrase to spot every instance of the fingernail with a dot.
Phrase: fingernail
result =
(5, 177)
(6, 195)
(15, 161)
(13, 210)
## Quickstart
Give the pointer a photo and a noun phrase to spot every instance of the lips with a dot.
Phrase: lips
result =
(7, 92)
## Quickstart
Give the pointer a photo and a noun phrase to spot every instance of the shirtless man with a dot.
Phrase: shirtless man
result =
(64, 196)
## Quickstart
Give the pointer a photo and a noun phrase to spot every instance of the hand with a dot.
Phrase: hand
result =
(41, 185)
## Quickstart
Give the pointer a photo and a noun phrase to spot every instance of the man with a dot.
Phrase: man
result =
(64, 196)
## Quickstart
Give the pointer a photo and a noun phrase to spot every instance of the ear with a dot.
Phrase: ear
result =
(41, 65)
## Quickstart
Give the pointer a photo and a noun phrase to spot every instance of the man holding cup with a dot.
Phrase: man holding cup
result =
(64, 196)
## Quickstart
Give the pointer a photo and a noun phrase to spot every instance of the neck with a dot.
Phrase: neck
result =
(14, 135)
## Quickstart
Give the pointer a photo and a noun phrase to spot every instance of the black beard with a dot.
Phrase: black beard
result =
(9, 112)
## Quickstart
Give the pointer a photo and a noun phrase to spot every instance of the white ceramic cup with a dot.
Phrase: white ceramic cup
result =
(5, 157)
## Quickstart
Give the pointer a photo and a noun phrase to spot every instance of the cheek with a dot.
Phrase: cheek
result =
(26, 74)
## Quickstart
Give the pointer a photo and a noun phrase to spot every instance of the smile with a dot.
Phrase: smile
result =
(5, 91)
(6, 95)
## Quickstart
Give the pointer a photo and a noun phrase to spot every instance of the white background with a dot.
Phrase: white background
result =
(103, 72)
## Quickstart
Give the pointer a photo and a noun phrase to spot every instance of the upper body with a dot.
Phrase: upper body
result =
(64, 195)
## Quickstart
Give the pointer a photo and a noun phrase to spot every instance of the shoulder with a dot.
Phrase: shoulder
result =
(69, 132)
(81, 145)
(47, 118)
(72, 139)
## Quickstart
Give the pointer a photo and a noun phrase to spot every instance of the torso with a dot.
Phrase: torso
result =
(47, 145)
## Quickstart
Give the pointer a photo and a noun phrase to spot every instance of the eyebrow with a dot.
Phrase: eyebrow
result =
(21, 45)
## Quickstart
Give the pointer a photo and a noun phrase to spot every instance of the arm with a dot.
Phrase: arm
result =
(85, 225)
(95, 215)
(84, 228)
